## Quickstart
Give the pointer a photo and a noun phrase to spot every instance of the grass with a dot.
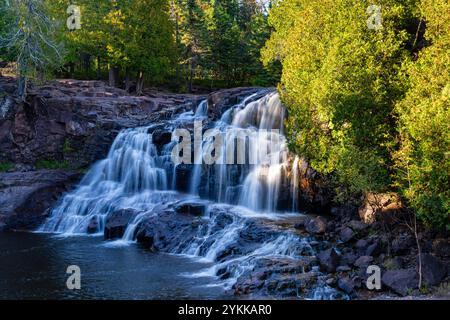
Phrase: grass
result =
(52, 164)
(6, 166)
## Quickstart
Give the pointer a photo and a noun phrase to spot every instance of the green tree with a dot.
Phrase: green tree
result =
(31, 40)
(423, 160)
(340, 80)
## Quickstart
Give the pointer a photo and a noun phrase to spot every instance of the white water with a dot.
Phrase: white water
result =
(135, 176)
(259, 126)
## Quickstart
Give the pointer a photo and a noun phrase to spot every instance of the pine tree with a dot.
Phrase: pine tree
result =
(31, 40)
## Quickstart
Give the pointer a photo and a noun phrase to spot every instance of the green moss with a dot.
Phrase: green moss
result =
(67, 147)
(52, 164)
(5, 166)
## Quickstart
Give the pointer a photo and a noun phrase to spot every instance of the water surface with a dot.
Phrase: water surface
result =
(33, 266)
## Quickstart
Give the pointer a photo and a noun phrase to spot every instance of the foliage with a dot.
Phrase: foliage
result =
(423, 162)
(339, 82)
(6, 166)
(369, 107)
(30, 39)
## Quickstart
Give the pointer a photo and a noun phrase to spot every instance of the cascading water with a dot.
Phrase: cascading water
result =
(137, 175)
(254, 132)
(121, 180)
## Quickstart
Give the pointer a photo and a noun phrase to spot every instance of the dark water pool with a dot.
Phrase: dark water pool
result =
(33, 266)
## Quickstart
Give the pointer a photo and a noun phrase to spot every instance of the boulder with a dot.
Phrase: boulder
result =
(401, 281)
(316, 225)
(433, 270)
(329, 260)
(346, 284)
(377, 205)
(26, 197)
(117, 222)
(362, 244)
(374, 249)
(346, 234)
(363, 262)
(357, 225)
(93, 225)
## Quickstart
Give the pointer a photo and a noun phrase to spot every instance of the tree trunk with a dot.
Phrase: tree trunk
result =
(178, 42)
(113, 76)
(99, 71)
(127, 80)
(191, 75)
(22, 88)
(71, 70)
(140, 84)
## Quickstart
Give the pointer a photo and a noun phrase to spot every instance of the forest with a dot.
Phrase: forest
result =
(367, 91)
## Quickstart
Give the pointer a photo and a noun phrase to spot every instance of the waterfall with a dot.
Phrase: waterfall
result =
(131, 168)
(294, 183)
(202, 109)
(253, 180)
(134, 167)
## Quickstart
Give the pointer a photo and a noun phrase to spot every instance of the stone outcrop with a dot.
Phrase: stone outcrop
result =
(76, 121)
(379, 206)
(25, 197)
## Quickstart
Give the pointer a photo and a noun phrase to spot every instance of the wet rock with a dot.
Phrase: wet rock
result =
(329, 260)
(346, 284)
(117, 222)
(276, 277)
(26, 197)
(401, 281)
(316, 225)
(93, 225)
(346, 234)
(76, 121)
(300, 225)
(363, 262)
(183, 173)
(344, 268)
(433, 270)
(195, 208)
(349, 258)
(161, 137)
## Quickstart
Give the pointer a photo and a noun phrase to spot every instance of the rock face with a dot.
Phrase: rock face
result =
(25, 197)
(379, 206)
(76, 121)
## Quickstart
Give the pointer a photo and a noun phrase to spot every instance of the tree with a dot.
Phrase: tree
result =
(150, 47)
(340, 81)
(31, 40)
(423, 161)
